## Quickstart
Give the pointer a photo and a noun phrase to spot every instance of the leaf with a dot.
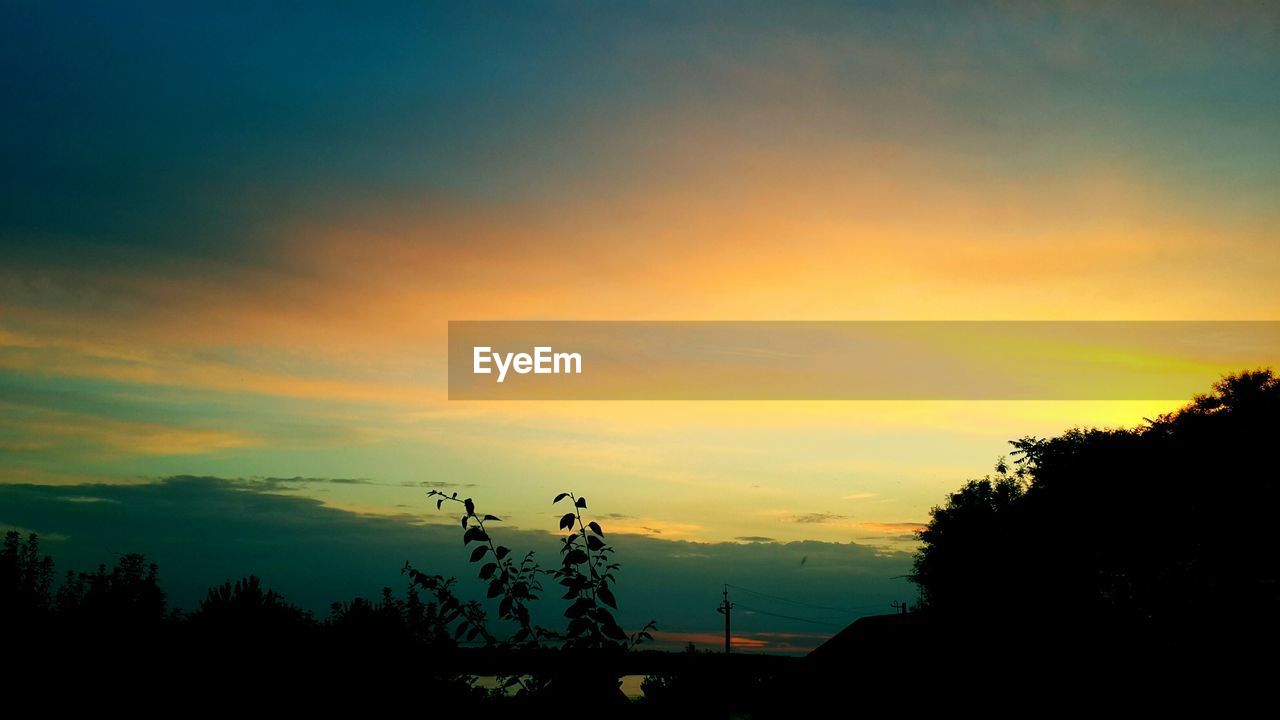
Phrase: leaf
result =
(470, 506)
(503, 551)
(488, 570)
(464, 522)
(504, 607)
(566, 521)
(578, 626)
(440, 503)
(462, 627)
(559, 497)
(606, 597)
(494, 518)
(594, 542)
(479, 553)
(576, 557)
(612, 630)
(495, 588)
(472, 635)
(513, 680)
(595, 528)
(582, 503)
(577, 609)
(475, 534)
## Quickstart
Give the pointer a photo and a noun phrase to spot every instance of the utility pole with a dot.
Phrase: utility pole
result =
(725, 609)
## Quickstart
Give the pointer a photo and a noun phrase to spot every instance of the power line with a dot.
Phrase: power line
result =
(788, 617)
(807, 604)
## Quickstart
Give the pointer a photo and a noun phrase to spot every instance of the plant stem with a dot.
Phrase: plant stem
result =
(502, 565)
(586, 546)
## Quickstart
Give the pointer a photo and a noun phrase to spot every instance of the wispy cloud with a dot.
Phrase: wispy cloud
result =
(87, 499)
(859, 496)
(35, 430)
(892, 527)
(818, 517)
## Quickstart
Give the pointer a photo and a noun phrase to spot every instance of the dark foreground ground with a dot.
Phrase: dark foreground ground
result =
(904, 666)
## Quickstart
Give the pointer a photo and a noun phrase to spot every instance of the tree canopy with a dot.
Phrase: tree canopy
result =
(1162, 534)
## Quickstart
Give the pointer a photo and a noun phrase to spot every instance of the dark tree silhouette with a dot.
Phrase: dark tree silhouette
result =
(26, 580)
(129, 596)
(390, 621)
(246, 607)
(1158, 538)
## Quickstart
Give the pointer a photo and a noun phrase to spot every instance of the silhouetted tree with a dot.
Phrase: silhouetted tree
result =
(390, 620)
(26, 579)
(247, 607)
(971, 547)
(127, 596)
(1160, 536)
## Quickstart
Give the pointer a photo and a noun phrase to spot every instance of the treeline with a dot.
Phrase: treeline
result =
(117, 618)
(128, 598)
(1127, 548)
(114, 626)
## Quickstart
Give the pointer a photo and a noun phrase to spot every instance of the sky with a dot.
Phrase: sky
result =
(233, 235)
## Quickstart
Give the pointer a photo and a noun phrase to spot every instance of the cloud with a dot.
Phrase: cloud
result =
(754, 539)
(793, 643)
(624, 524)
(39, 431)
(203, 530)
(893, 527)
(274, 484)
(8, 527)
(294, 483)
(818, 518)
(859, 496)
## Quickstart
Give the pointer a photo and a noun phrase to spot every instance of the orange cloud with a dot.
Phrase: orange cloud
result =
(52, 429)
(771, 642)
(896, 528)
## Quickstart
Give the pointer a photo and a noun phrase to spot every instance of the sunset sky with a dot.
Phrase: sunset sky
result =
(233, 236)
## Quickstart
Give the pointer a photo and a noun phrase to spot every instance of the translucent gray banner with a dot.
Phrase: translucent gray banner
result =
(853, 360)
